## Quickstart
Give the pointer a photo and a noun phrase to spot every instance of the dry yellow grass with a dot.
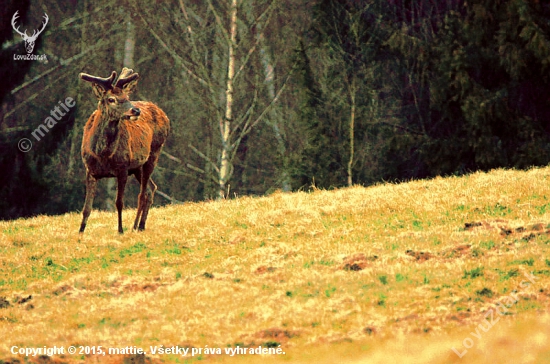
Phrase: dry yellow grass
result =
(390, 273)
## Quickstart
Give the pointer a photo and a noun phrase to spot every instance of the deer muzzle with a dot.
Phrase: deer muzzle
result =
(132, 114)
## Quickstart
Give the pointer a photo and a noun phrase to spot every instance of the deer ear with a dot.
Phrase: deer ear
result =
(131, 86)
(99, 91)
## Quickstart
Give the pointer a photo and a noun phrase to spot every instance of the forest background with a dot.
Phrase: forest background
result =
(268, 95)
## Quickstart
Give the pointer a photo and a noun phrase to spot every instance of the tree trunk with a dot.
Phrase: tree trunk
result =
(352, 90)
(129, 45)
(273, 119)
(225, 125)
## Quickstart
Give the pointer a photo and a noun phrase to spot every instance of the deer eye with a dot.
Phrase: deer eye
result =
(111, 100)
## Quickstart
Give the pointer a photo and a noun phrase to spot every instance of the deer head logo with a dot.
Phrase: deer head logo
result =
(29, 41)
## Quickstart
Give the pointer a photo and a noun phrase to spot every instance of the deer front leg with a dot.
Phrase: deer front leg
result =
(91, 184)
(122, 177)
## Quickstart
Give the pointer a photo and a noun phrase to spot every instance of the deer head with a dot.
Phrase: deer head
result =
(114, 96)
(29, 41)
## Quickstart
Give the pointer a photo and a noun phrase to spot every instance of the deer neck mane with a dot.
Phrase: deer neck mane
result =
(106, 137)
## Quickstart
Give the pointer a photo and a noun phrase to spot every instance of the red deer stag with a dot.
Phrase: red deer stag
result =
(122, 138)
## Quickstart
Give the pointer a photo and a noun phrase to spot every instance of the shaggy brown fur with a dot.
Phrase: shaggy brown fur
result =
(122, 138)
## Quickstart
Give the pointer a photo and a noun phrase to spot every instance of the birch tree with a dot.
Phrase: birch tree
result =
(222, 62)
(226, 167)
(349, 31)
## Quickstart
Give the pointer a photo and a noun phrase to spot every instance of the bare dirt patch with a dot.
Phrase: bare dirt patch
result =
(264, 269)
(508, 228)
(271, 337)
(419, 256)
(457, 252)
(357, 262)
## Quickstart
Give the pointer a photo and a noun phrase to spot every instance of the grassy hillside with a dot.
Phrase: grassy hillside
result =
(403, 272)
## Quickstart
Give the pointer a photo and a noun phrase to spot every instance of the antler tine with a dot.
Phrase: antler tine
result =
(13, 19)
(43, 24)
(46, 18)
(37, 32)
(127, 75)
(126, 72)
(106, 83)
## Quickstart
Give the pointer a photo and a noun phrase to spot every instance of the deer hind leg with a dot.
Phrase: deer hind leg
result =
(146, 193)
(121, 179)
(91, 184)
(149, 195)
(138, 175)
